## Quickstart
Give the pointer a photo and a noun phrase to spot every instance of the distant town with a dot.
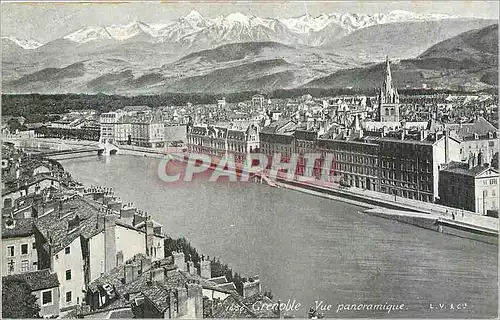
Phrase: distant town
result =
(84, 252)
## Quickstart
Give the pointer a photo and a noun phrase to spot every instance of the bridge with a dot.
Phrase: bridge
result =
(73, 153)
(101, 149)
(61, 148)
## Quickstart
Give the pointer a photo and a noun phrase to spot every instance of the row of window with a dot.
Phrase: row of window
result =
(47, 297)
(25, 266)
(11, 249)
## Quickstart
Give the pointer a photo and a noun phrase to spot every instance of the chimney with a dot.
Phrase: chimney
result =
(174, 304)
(251, 287)
(158, 275)
(149, 236)
(145, 264)
(182, 301)
(179, 260)
(139, 217)
(127, 213)
(99, 196)
(128, 273)
(206, 269)
(446, 145)
(135, 271)
(191, 268)
(115, 205)
(109, 242)
(195, 301)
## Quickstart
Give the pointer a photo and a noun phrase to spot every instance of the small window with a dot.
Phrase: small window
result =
(68, 296)
(68, 274)
(46, 297)
(24, 249)
(10, 251)
(34, 246)
(25, 266)
(67, 250)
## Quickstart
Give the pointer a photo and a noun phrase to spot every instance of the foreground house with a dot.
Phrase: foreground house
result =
(45, 286)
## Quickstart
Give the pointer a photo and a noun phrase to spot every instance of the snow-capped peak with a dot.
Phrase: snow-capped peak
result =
(89, 34)
(124, 32)
(237, 26)
(193, 16)
(238, 17)
(27, 44)
(194, 19)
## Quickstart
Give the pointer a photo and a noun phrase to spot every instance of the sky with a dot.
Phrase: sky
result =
(46, 21)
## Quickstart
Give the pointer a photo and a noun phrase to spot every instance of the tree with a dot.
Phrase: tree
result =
(17, 300)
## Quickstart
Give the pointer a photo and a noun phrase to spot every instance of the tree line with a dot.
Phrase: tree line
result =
(218, 268)
(38, 107)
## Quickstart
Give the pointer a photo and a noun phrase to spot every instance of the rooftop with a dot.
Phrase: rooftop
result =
(462, 168)
(13, 228)
(466, 131)
(36, 280)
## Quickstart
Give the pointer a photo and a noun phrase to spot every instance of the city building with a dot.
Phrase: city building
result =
(82, 239)
(477, 136)
(123, 130)
(19, 249)
(220, 141)
(147, 131)
(471, 186)
(44, 285)
(409, 168)
(108, 121)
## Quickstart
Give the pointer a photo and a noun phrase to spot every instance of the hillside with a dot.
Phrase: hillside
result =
(266, 74)
(464, 61)
(404, 40)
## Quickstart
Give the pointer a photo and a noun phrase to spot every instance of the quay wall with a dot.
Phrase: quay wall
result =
(430, 222)
(418, 220)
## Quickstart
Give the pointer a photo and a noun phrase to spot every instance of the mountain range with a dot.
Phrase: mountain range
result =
(231, 53)
(466, 61)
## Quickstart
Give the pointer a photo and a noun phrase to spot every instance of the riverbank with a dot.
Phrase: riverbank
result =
(468, 221)
(465, 221)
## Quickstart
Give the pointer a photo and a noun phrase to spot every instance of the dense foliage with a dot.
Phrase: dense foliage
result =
(218, 268)
(80, 134)
(44, 107)
(17, 300)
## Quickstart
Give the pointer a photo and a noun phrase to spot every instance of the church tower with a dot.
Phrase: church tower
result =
(388, 99)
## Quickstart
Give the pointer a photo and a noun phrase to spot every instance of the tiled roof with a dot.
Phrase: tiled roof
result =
(159, 296)
(466, 131)
(462, 168)
(54, 226)
(235, 306)
(236, 135)
(231, 308)
(21, 228)
(276, 138)
(37, 280)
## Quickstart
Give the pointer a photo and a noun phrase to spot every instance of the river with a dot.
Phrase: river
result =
(310, 249)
